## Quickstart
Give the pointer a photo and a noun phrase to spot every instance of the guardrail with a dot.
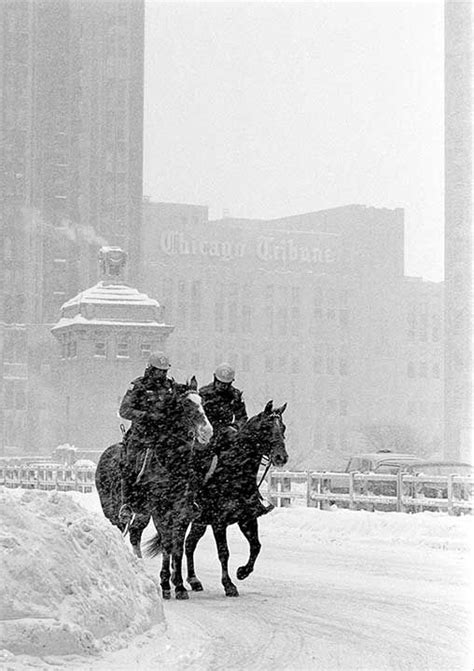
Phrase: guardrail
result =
(48, 477)
(317, 489)
(402, 492)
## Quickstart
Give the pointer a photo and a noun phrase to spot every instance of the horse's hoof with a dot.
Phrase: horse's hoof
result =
(196, 585)
(243, 572)
(166, 594)
(231, 590)
(181, 594)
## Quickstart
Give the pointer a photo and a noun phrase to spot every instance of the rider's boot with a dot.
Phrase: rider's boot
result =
(126, 512)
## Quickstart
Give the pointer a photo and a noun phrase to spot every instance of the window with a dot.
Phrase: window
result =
(330, 440)
(423, 369)
(282, 363)
(423, 327)
(436, 370)
(71, 349)
(123, 350)
(342, 366)
(344, 318)
(436, 328)
(14, 397)
(196, 301)
(295, 320)
(8, 395)
(330, 365)
(343, 407)
(295, 295)
(145, 350)
(282, 315)
(246, 318)
(219, 316)
(100, 349)
(410, 369)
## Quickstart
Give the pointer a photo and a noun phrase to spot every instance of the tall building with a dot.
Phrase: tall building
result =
(71, 126)
(458, 230)
(313, 309)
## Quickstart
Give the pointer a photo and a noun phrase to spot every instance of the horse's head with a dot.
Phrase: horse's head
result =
(269, 430)
(194, 413)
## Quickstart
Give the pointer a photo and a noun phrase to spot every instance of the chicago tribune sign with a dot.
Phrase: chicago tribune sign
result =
(267, 248)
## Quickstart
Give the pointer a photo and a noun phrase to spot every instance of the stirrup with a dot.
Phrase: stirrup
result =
(128, 525)
(126, 513)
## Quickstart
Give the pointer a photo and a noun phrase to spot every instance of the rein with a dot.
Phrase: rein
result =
(267, 468)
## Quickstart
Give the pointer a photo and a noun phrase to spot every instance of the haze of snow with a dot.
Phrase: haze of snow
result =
(331, 590)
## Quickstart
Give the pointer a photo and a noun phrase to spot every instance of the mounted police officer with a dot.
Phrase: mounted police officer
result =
(146, 404)
(224, 406)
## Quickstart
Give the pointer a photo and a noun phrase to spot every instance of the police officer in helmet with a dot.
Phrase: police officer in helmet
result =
(225, 408)
(146, 404)
(224, 405)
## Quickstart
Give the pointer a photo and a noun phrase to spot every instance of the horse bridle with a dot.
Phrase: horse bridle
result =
(268, 457)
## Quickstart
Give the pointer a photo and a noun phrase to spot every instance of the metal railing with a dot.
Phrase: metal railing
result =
(318, 489)
(48, 477)
(402, 492)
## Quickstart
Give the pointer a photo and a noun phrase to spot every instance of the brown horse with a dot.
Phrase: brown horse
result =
(164, 491)
(231, 494)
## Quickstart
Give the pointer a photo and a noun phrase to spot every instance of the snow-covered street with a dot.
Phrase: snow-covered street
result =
(331, 590)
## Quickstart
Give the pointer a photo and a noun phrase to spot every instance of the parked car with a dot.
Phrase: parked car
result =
(380, 462)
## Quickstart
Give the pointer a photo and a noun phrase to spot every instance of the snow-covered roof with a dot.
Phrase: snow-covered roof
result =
(111, 304)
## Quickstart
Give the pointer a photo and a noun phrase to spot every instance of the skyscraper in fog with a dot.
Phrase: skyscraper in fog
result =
(458, 230)
(71, 76)
(71, 129)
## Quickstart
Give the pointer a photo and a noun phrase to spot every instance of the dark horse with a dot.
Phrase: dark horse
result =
(164, 489)
(231, 493)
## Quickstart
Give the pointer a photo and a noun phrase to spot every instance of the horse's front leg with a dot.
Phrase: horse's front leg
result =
(179, 527)
(165, 572)
(165, 576)
(220, 534)
(196, 532)
(250, 531)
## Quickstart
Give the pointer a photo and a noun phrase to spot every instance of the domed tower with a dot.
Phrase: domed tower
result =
(106, 334)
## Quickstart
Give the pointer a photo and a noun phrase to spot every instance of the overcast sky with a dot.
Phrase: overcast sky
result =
(271, 109)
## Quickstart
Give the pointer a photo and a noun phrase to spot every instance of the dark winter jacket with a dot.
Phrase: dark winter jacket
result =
(148, 404)
(224, 407)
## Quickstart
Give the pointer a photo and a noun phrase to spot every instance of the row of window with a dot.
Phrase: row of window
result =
(423, 369)
(102, 349)
(424, 328)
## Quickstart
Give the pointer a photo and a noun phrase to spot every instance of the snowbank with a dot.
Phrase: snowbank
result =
(69, 583)
(72, 588)
(427, 529)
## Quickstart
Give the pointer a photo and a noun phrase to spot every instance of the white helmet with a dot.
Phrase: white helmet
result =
(159, 360)
(225, 373)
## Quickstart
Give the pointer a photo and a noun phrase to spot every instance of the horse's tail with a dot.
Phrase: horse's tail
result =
(153, 547)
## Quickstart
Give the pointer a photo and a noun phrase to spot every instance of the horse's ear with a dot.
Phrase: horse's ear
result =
(281, 410)
(268, 408)
(193, 383)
